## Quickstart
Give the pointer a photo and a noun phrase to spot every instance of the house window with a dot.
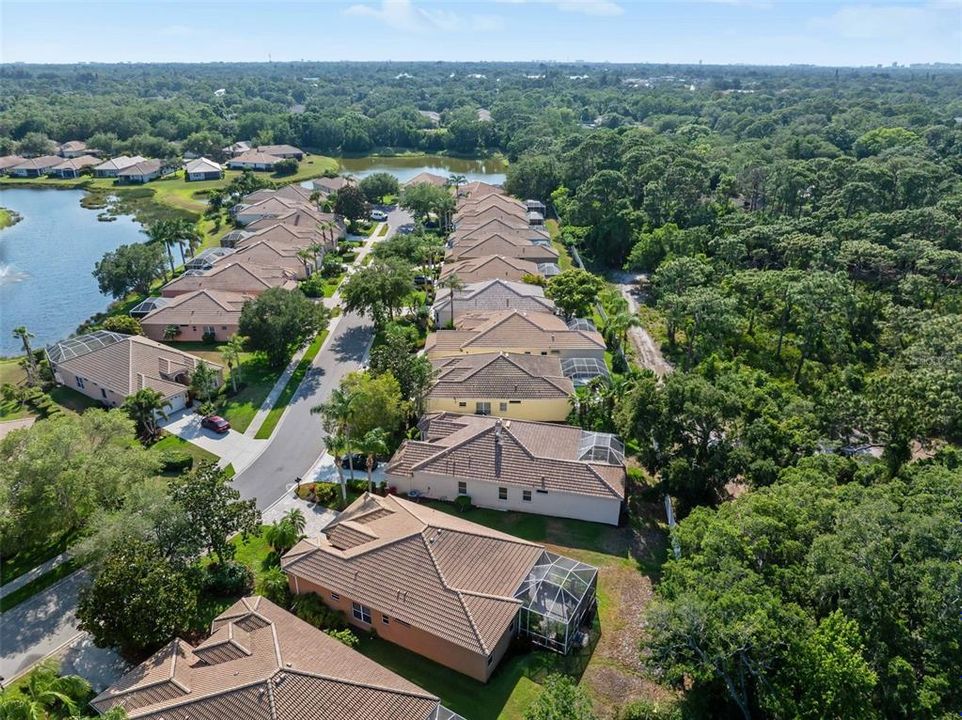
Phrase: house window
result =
(335, 596)
(402, 623)
(103, 393)
(209, 329)
(462, 404)
(526, 495)
(544, 352)
(482, 408)
(503, 407)
(542, 491)
(385, 619)
(555, 352)
(80, 382)
(361, 612)
(490, 659)
(462, 487)
(514, 402)
(502, 493)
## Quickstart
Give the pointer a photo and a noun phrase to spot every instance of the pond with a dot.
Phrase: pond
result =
(46, 261)
(405, 167)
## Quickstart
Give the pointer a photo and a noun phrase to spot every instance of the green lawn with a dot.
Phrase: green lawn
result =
(172, 442)
(38, 585)
(11, 372)
(274, 416)
(256, 380)
(28, 558)
(564, 258)
(72, 400)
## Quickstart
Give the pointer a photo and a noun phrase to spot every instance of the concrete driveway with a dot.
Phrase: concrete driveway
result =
(233, 448)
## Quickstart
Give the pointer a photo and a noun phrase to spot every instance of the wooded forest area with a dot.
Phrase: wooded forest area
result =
(798, 234)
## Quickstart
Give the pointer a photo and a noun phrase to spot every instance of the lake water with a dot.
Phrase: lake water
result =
(46, 260)
(406, 167)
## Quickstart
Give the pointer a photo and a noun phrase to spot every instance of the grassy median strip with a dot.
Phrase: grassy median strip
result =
(39, 585)
(274, 416)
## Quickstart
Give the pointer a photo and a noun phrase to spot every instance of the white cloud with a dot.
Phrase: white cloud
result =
(607, 8)
(405, 15)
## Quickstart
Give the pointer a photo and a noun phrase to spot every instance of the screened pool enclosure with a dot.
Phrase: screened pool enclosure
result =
(558, 596)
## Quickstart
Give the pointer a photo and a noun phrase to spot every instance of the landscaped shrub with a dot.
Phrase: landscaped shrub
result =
(175, 460)
(326, 494)
(358, 485)
(463, 502)
(310, 608)
(345, 636)
(313, 286)
(331, 266)
(227, 579)
(122, 324)
(209, 336)
(287, 166)
(275, 588)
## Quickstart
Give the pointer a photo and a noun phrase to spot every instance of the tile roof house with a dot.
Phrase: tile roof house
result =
(498, 244)
(73, 166)
(263, 663)
(241, 146)
(431, 582)
(277, 256)
(427, 178)
(477, 189)
(533, 467)
(109, 367)
(488, 295)
(514, 331)
(9, 161)
(271, 207)
(281, 151)
(488, 268)
(253, 160)
(203, 169)
(110, 168)
(73, 149)
(468, 207)
(330, 185)
(197, 315)
(142, 172)
(35, 167)
(519, 387)
(488, 214)
(228, 276)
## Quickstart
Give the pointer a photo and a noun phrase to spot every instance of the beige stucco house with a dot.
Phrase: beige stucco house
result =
(519, 387)
(553, 470)
(197, 315)
(109, 367)
(489, 267)
(490, 296)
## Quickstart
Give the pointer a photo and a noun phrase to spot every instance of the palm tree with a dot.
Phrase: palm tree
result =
(336, 445)
(144, 406)
(296, 518)
(455, 284)
(284, 534)
(373, 443)
(457, 181)
(161, 233)
(184, 234)
(46, 691)
(231, 352)
(619, 324)
(171, 331)
(24, 335)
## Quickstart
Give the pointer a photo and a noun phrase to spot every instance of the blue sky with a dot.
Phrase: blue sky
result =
(717, 31)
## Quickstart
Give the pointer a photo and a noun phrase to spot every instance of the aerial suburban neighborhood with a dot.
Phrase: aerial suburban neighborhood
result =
(360, 388)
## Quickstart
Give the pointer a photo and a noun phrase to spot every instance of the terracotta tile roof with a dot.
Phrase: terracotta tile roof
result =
(203, 165)
(38, 163)
(511, 329)
(439, 573)
(77, 163)
(477, 189)
(120, 162)
(428, 178)
(125, 364)
(254, 157)
(263, 662)
(497, 244)
(201, 307)
(144, 167)
(279, 150)
(332, 184)
(9, 161)
(501, 375)
(528, 454)
(489, 267)
(229, 275)
(503, 203)
(492, 295)
(487, 215)
(73, 145)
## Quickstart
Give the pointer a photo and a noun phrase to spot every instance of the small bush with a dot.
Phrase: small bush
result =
(227, 579)
(122, 324)
(345, 636)
(358, 486)
(275, 588)
(209, 336)
(311, 609)
(313, 286)
(176, 461)
(463, 502)
(287, 166)
(326, 494)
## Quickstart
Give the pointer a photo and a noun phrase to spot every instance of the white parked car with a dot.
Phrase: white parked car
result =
(378, 215)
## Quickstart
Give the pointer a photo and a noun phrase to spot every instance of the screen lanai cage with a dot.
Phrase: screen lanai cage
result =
(557, 598)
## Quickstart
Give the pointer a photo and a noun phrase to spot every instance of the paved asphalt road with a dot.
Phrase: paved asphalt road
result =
(299, 439)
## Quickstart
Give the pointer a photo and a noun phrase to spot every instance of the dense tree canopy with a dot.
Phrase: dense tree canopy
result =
(278, 320)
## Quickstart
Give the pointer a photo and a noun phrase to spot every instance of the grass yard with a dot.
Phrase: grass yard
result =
(11, 372)
(274, 416)
(256, 380)
(72, 400)
(629, 560)
(564, 257)
(172, 442)
(38, 585)
(28, 558)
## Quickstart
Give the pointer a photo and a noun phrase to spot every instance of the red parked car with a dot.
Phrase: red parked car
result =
(215, 423)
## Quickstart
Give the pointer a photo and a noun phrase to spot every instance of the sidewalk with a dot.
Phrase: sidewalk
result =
(233, 448)
(32, 575)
